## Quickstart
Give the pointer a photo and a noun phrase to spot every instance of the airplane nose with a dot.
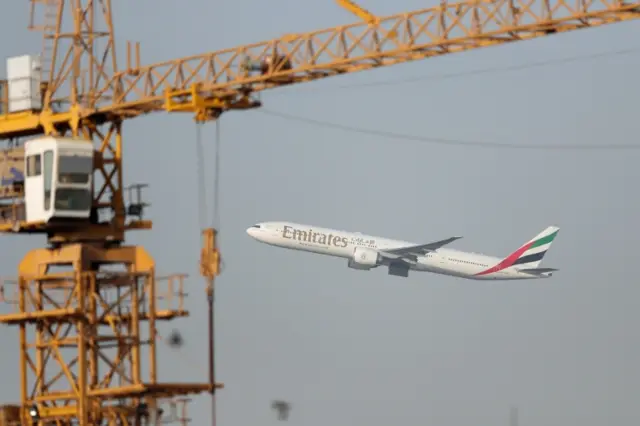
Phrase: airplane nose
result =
(251, 231)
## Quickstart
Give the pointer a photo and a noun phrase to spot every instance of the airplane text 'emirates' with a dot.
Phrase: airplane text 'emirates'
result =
(310, 236)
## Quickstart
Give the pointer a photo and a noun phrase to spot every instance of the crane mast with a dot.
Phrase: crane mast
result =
(88, 305)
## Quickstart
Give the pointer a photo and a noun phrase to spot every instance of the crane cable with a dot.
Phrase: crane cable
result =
(202, 193)
(396, 137)
(202, 199)
(478, 71)
(215, 224)
(216, 179)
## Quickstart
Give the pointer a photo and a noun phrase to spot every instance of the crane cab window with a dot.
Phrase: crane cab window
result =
(74, 169)
(34, 165)
(73, 199)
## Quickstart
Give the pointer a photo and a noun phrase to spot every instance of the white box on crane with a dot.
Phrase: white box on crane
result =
(59, 178)
(23, 83)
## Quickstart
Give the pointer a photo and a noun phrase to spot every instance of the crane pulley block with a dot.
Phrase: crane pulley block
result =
(209, 255)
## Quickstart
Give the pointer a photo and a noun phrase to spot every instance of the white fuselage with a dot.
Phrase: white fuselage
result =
(332, 242)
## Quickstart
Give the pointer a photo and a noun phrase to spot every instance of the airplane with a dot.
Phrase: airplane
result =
(365, 252)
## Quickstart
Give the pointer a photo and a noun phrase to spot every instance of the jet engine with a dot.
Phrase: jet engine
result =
(355, 265)
(364, 258)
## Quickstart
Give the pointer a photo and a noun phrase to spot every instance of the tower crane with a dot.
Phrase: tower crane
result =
(82, 327)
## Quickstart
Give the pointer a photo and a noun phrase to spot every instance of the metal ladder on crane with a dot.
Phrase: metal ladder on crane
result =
(49, 30)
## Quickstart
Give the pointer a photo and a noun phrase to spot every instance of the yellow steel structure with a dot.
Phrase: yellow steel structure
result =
(360, 12)
(92, 319)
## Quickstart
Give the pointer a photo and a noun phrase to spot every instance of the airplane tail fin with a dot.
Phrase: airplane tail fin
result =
(529, 256)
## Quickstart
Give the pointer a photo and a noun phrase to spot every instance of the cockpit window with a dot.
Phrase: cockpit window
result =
(256, 226)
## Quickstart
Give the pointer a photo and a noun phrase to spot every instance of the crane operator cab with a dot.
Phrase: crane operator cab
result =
(58, 179)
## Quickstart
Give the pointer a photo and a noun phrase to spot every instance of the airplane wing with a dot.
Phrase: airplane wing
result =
(417, 250)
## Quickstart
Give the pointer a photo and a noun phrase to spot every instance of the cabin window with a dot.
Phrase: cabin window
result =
(74, 169)
(34, 166)
(48, 178)
(73, 199)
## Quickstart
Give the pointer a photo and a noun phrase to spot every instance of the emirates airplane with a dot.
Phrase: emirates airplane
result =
(365, 252)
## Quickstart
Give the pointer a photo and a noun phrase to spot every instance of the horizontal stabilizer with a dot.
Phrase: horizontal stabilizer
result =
(537, 270)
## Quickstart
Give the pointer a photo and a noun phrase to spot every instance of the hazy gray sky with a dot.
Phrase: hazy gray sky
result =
(349, 347)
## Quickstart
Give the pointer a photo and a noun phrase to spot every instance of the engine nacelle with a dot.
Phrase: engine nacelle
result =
(355, 265)
(365, 257)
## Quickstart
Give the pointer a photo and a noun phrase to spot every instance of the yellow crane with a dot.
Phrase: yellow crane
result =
(83, 327)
